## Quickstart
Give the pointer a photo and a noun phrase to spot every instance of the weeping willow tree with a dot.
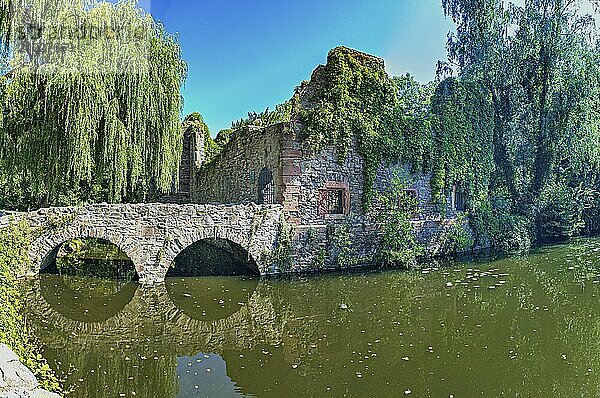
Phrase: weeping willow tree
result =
(90, 100)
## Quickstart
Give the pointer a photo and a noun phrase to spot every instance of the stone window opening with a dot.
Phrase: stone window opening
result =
(409, 201)
(458, 199)
(334, 199)
(266, 187)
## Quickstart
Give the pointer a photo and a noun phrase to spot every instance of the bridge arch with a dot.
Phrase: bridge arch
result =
(184, 241)
(214, 257)
(44, 250)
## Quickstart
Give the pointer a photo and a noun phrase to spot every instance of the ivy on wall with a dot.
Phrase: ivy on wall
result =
(351, 100)
(463, 139)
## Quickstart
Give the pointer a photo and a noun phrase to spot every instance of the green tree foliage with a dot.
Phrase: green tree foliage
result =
(282, 113)
(414, 97)
(90, 102)
(540, 64)
(463, 139)
(560, 211)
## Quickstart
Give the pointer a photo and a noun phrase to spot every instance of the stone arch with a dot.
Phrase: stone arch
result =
(179, 244)
(44, 249)
(152, 235)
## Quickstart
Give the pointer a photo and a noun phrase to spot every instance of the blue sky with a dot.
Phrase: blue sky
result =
(246, 55)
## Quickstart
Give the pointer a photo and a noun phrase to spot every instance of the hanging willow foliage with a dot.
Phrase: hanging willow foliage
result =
(90, 103)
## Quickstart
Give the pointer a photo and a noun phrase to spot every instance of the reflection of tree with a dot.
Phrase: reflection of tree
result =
(122, 371)
(385, 332)
(568, 285)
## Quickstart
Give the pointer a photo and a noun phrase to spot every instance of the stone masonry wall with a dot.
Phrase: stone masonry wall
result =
(431, 222)
(191, 158)
(319, 237)
(233, 177)
(303, 178)
(152, 235)
(314, 173)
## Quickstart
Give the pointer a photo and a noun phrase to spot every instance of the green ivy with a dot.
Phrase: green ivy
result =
(14, 243)
(351, 100)
(342, 246)
(457, 238)
(398, 244)
(281, 256)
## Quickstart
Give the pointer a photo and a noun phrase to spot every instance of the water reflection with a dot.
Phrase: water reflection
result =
(204, 375)
(522, 326)
(210, 298)
(86, 299)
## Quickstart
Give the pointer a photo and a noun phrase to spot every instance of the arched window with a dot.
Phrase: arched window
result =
(266, 187)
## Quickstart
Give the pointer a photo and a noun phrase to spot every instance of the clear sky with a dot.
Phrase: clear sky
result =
(246, 55)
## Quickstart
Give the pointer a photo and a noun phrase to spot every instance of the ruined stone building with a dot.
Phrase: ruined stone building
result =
(322, 196)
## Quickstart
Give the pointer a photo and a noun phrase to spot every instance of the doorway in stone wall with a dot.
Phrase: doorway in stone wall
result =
(266, 187)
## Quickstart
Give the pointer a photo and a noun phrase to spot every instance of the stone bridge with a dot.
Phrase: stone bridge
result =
(152, 235)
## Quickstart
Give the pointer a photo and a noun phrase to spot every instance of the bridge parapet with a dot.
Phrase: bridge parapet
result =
(152, 235)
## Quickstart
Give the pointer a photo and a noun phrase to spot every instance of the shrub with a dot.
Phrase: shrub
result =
(559, 212)
(398, 244)
(14, 243)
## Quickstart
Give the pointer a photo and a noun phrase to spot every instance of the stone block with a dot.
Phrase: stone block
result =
(14, 374)
(291, 153)
(291, 170)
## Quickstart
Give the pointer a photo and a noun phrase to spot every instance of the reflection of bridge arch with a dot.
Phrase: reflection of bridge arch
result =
(209, 299)
(80, 306)
(152, 319)
(152, 235)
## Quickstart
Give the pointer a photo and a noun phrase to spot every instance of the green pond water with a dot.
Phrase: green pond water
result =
(523, 326)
